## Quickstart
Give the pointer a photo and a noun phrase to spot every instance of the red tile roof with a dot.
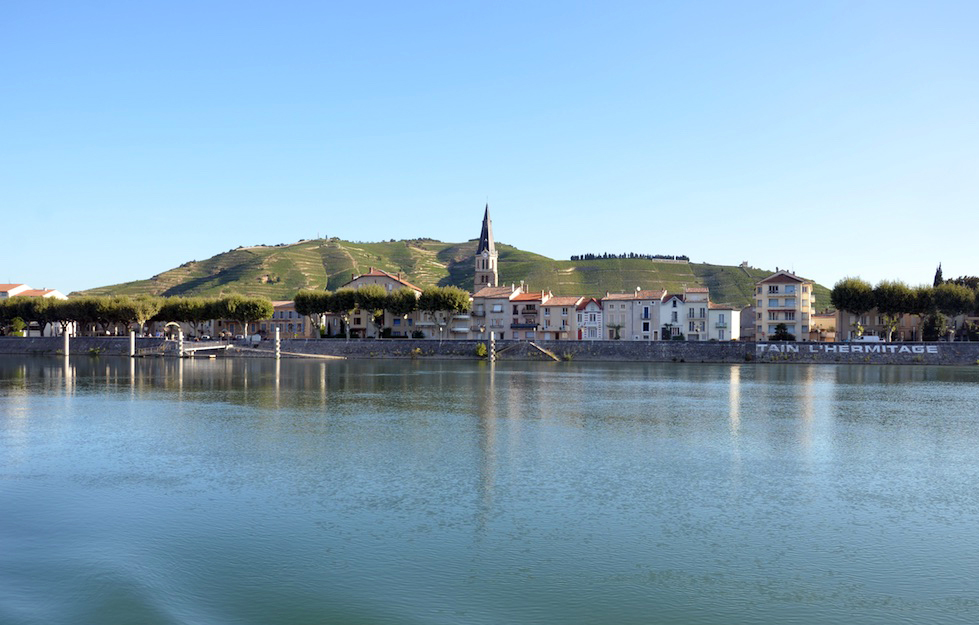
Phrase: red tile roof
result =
(494, 292)
(528, 297)
(585, 303)
(380, 273)
(8, 287)
(562, 300)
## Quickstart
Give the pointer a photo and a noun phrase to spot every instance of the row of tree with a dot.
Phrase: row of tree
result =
(374, 300)
(629, 255)
(106, 312)
(933, 304)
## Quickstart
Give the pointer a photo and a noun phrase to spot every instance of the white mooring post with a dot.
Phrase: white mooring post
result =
(132, 343)
(65, 342)
(278, 345)
(180, 343)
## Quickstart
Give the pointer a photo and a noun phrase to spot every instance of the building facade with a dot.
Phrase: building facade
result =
(784, 297)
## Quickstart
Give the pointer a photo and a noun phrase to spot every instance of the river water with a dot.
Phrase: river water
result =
(253, 492)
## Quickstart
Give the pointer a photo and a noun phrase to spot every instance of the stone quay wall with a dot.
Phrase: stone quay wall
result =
(51, 345)
(963, 353)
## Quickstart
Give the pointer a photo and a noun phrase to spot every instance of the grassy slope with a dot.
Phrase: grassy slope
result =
(278, 272)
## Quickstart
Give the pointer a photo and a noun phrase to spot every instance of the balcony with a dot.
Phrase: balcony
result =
(721, 325)
(461, 316)
(523, 326)
(478, 313)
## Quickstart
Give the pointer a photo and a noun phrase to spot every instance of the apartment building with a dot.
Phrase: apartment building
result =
(784, 297)
(589, 317)
(526, 314)
(491, 311)
(723, 322)
(696, 303)
(559, 319)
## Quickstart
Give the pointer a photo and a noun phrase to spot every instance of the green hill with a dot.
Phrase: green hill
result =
(279, 271)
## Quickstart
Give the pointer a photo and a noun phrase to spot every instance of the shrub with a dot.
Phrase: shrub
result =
(481, 350)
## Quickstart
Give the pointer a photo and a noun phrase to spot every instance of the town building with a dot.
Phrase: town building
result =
(723, 322)
(559, 320)
(526, 314)
(783, 297)
(589, 319)
(491, 311)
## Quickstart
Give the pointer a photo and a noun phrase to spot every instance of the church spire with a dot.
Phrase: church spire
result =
(486, 256)
(486, 236)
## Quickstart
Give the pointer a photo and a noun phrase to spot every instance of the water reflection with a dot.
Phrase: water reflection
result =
(482, 492)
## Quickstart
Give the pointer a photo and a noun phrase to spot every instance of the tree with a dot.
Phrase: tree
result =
(313, 304)
(782, 333)
(953, 299)
(402, 303)
(922, 303)
(854, 296)
(893, 299)
(443, 301)
(247, 310)
(371, 299)
(341, 303)
(938, 276)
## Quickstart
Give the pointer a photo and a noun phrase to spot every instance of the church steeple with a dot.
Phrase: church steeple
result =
(486, 256)
(486, 236)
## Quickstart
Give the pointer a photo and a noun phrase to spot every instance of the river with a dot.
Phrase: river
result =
(246, 491)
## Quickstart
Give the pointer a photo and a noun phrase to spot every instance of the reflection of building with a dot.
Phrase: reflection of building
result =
(783, 297)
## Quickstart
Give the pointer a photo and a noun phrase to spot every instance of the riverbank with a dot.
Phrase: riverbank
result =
(588, 351)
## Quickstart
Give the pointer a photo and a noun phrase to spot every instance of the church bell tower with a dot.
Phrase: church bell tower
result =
(486, 256)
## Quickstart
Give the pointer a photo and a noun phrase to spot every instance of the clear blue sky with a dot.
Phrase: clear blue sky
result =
(832, 138)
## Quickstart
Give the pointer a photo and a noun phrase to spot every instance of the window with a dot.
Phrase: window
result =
(720, 335)
(690, 313)
(773, 303)
(515, 309)
(564, 312)
(397, 322)
(773, 288)
(790, 288)
(645, 312)
(645, 326)
(759, 315)
(772, 315)
(592, 317)
(790, 315)
(759, 290)
(703, 313)
(759, 304)
(579, 317)
(673, 317)
(497, 308)
(674, 303)
(720, 318)
(790, 302)
(547, 312)
(692, 326)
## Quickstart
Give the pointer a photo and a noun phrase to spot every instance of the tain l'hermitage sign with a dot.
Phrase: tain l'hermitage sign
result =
(851, 348)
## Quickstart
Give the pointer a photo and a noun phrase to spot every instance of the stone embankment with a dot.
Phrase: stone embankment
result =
(586, 351)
